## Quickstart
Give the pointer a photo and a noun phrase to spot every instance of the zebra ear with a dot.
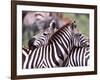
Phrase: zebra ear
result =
(73, 25)
(53, 25)
(54, 22)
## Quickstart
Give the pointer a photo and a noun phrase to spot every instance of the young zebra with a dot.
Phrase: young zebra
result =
(55, 52)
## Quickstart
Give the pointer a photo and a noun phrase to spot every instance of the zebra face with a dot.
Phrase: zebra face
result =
(80, 40)
(52, 23)
(43, 37)
(39, 40)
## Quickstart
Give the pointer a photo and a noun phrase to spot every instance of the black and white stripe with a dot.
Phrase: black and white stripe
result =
(79, 56)
(42, 38)
(39, 40)
(54, 54)
(80, 40)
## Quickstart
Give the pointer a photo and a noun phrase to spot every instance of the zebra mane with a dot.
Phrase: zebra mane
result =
(65, 26)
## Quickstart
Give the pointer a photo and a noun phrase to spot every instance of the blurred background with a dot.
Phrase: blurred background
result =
(33, 23)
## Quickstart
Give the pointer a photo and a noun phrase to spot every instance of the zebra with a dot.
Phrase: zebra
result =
(55, 52)
(42, 38)
(81, 50)
(39, 40)
(83, 40)
(79, 56)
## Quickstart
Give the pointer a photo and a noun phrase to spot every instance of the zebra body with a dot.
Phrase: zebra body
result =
(43, 57)
(55, 53)
(79, 56)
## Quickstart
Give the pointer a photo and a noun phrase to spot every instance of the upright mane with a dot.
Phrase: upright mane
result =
(59, 30)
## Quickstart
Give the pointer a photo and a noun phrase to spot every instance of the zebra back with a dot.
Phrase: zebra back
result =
(79, 56)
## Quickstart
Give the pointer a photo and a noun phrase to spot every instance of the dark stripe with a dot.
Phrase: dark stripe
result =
(46, 56)
(56, 38)
(83, 56)
(65, 49)
(43, 65)
(29, 58)
(59, 53)
(49, 55)
(38, 57)
(34, 57)
(70, 57)
(66, 62)
(73, 58)
(87, 51)
(41, 56)
(64, 40)
(79, 49)
(67, 33)
(84, 40)
(53, 56)
(27, 51)
(39, 41)
(86, 61)
(76, 52)
(68, 37)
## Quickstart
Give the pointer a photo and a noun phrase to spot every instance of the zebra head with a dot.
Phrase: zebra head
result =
(42, 38)
(79, 40)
